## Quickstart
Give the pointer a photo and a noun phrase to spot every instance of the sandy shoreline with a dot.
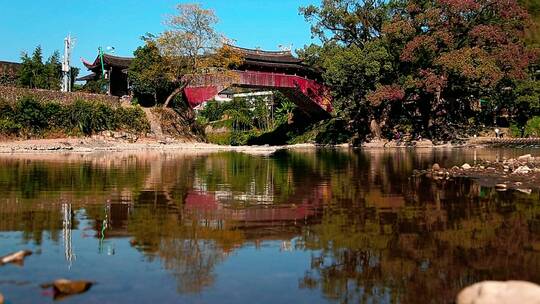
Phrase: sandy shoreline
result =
(100, 144)
(108, 144)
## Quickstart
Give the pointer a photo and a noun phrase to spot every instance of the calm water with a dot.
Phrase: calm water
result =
(296, 227)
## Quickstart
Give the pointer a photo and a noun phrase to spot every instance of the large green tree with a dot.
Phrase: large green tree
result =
(423, 64)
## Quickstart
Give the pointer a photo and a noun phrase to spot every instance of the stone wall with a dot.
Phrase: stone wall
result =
(12, 94)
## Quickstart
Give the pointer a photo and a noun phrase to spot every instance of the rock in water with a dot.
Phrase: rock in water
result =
(63, 287)
(466, 166)
(494, 292)
(524, 158)
(522, 170)
(17, 257)
(501, 186)
(436, 167)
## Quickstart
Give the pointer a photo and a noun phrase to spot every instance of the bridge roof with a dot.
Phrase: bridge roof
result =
(253, 59)
(267, 56)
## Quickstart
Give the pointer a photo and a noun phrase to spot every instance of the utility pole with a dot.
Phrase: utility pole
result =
(66, 65)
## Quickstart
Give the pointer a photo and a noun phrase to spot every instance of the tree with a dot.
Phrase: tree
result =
(147, 71)
(38, 75)
(424, 64)
(191, 46)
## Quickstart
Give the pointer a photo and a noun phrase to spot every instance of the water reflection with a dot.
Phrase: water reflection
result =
(369, 232)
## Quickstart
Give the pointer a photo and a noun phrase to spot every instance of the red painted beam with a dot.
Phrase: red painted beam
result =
(205, 87)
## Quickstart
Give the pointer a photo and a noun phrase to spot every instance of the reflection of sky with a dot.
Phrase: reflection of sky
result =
(261, 262)
(252, 274)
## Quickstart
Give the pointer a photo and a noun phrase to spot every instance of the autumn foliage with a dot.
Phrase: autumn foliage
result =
(441, 58)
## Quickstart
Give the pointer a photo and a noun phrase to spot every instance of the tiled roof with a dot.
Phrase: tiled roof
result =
(110, 60)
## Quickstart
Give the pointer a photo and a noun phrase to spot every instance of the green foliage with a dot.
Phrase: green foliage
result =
(33, 118)
(95, 86)
(147, 73)
(219, 138)
(240, 138)
(89, 117)
(214, 111)
(532, 128)
(246, 117)
(36, 74)
(284, 112)
(527, 94)
(29, 112)
(132, 118)
(9, 127)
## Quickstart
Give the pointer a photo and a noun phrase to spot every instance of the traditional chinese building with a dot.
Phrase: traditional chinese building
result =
(114, 70)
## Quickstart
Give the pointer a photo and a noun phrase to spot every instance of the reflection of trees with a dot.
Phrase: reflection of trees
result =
(375, 234)
(445, 237)
(32, 221)
(188, 248)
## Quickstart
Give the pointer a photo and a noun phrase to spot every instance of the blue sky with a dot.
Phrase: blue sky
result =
(120, 23)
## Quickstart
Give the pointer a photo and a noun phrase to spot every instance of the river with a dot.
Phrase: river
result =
(312, 226)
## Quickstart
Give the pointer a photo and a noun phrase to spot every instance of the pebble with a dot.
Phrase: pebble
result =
(524, 158)
(436, 167)
(494, 292)
(466, 166)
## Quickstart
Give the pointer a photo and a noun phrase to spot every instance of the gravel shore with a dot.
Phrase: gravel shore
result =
(100, 144)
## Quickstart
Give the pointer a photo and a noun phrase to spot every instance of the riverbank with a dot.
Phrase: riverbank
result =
(123, 141)
(107, 144)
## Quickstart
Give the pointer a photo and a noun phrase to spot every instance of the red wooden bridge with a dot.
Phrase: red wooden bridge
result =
(264, 70)
(309, 95)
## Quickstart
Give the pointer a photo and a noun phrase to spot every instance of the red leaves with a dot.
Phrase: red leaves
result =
(460, 6)
(386, 93)
(510, 10)
(430, 43)
(488, 35)
(431, 82)
(417, 44)
(514, 60)
(473, 64)
(398, 29)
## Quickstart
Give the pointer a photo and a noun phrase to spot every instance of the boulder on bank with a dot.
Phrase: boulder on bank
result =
(495, 292)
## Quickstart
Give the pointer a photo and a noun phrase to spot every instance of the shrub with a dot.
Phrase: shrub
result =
(29, 113)
(240, 138)
(532, 128)
(32, 117)
(57, 115)
(9, 127)
(133, 119)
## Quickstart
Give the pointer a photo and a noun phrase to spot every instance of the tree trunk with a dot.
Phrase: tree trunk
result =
(172, 95)
(375, 129)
